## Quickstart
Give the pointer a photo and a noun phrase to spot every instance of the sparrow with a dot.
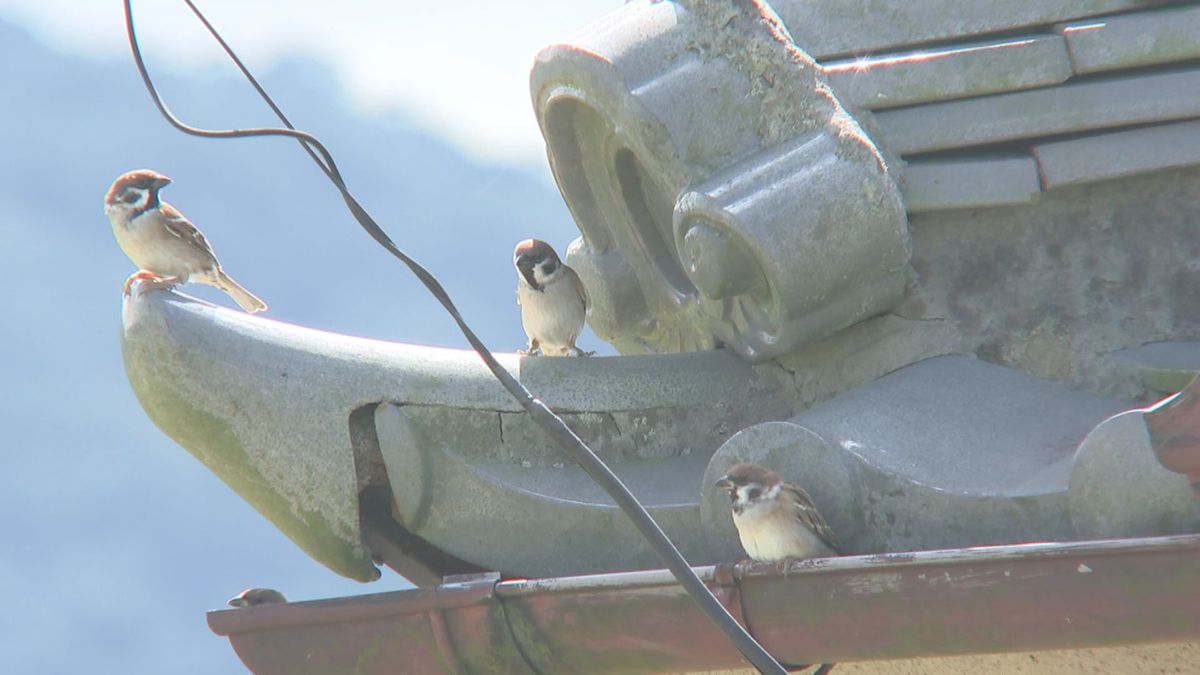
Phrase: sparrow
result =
(775, 519)
(552, 298)
(253, 597)
(162, 242)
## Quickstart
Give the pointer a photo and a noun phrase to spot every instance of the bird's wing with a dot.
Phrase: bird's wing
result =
(181, 227)
(807, 512)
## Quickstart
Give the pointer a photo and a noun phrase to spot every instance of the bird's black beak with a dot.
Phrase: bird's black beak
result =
(724, 484)
(161, 182)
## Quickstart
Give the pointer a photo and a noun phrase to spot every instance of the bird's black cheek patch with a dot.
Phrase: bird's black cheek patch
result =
(141, 210)
(527, 272)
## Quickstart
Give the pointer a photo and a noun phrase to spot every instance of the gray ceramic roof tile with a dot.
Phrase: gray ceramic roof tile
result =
(1133, 40)
(1115, 155)
(969, 183)
(956, 72)
(1042, 112)
(826, 28)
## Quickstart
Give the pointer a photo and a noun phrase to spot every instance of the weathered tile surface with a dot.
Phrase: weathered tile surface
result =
(1137, 99)
(1140, 39)
(950, 73)
(960, 184)
(827, 28)
(1123, 153)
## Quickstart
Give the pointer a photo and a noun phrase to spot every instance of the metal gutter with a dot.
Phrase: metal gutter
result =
(932, 603)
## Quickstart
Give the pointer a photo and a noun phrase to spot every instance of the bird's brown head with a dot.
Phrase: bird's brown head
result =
(135, 192)
(253, 597)
(748, 484)
(537, 262)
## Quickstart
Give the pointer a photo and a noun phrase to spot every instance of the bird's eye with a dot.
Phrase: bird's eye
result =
(130, 196)
(753, 493)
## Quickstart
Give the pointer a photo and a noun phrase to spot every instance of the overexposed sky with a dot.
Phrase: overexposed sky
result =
(460, 68)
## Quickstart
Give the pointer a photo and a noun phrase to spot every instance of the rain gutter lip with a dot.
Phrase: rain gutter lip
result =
(486, 588)
(452, 594)
(859, 563)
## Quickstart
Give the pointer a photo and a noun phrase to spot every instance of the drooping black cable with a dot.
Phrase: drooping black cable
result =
(328, 169)
(579, 452)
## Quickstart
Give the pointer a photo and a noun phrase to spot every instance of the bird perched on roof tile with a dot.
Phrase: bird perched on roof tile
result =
(162, 242)
(253, 597)
(775, 519)
(552, 298)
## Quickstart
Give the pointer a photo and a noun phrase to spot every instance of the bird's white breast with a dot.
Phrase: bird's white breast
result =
(150, 246)
(769, 532)
(553, 316)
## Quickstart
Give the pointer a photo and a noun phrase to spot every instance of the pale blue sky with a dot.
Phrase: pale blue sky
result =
(459, 68)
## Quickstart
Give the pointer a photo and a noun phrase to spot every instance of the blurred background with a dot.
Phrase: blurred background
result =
(114, 541)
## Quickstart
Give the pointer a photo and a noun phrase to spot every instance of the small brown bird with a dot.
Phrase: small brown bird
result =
(253, 597)
(775, 519)
(162, 242)
(552, 298)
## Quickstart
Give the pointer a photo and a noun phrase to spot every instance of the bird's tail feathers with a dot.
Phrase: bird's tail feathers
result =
(244, 298)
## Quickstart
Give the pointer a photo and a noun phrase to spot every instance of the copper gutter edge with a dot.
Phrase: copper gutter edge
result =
(731, 573)
(900, 605)
(452, 593)
(480, 589)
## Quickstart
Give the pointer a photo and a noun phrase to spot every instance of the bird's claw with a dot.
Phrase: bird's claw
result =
(140, 275)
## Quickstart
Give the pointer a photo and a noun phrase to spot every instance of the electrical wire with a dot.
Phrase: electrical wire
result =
(567, 439)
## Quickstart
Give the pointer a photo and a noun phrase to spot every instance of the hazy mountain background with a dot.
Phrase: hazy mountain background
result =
(113, 540)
